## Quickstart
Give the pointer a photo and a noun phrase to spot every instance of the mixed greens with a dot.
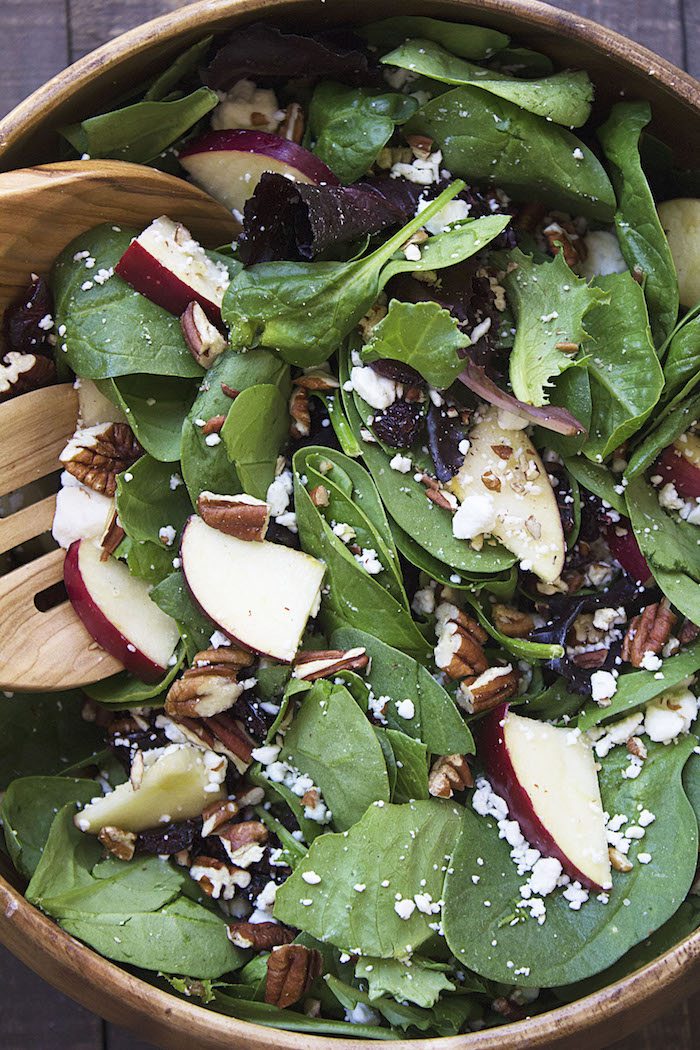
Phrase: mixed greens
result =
(390, 510)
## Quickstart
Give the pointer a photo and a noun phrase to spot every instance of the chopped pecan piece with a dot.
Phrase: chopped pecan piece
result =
(508, 1008)
(648, 632)
(112, 536)
(229, 391)
(217, 814)
(204, 340)
(566, 241)
(317, 379)
(300, 412)
(217, 879)
(637, 747)
(490, 481)
(460, 648)
(618, 860)
(120, 843)
(320, 496)
(490, 689)
(437, 495)
(291, 970)
(244, 842)
(512, 622)
(20, 373)
(292, 127)
(242, 516)
(688, 632)
(449, 773)
(259, 935)
(97, 454)
(214, 425)
(592, 659)
(324, 663)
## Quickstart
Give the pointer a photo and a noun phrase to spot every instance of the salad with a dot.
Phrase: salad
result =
(390, 510)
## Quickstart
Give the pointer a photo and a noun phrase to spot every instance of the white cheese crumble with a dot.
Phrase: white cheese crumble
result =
(405, 708)
(603, 686)
(474, 516)
(378, 391)
(400, 463)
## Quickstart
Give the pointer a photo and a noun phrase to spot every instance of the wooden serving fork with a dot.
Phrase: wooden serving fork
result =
(41, 210)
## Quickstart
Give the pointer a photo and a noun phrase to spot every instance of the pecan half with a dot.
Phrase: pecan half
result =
(449, 773)
(242, 516)
(120, 843)
(488, 690)
(244, 842)
(203, 691)
(217, 879)
(300, 412)
(291, 970)
(112, 536)
(460, 648)
(97, 454)
(512, 622)
(20, 373)
(204, 340)
(259, 935)
(648, 632)
(592, 659)
(230, 732)
(324, 663)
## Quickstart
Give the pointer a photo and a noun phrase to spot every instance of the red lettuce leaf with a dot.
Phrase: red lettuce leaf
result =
(557, 419)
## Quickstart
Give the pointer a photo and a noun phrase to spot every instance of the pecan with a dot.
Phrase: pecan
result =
(97, 454)
(512, 622)
(230, 732)
(566, 241)
(112, 536)
(217, 879)
(490, 481)
(244, 842)
(421, 146)
(242, 516)
(490, 689)
(291, 970)
(567, 348)
(688, 632)
(618, 860)
(648, 632)
(592, 659)
(324, 663)
(503, 451)
(229, 391)
(259, 935)
(292, 127)
(300, 412)
(437, 495)
(203, 691)
(217, 814)
(460, 648)
(20, 373)
(204, 340)
(317, 379)
(637, 747)
(449, 773)
(320, 496)
(120, 843)
(224, 656)
(213, 425)
(508, 1008)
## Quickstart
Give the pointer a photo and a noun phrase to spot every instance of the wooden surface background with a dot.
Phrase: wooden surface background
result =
(37, 39)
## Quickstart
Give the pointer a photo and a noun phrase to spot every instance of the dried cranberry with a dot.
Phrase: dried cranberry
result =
(257, 722)
(398, 371)
(167, 839)
(21, 320)
(400, 424)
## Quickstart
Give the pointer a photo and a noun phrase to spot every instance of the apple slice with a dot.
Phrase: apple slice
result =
(505, 492)
(117, 611)
(229, 164)
(680, 464)
(94, 407)
(259, 594)
(680, 219)
(170, 268)
(177, 783)
(548, 778)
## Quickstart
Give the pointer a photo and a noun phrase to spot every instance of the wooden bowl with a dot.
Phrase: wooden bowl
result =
(28, 136)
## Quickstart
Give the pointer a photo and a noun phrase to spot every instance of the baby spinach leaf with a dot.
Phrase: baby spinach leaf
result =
(564, 97)
(173, 597)
(124, 691)
(292, 1020)
(330, 739)
(304, 311)
(464, 40)
(421, 335)
(642, 239)
(549, 302)
(665, 540)
(400, 845)
(111, 330)
(27, 812)
(670, 426)
(518, 647)
(625, 374)
(207, 467)
(637, 688)
(140, 132)
(349, 125)
(523, 61)
(44, 734)
(155, 407)
(411, 761)
(421, 981)
(392, 674)
(491, 140)
(180, 67)
(681, 591)
(353, 596)
(147, 502)
(340, 423)
(255, 430)
(148, 561)
(597, 479)
(683, 358)
(573, 945)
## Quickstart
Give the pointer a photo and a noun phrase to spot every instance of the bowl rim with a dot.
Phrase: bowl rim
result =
(65, 962)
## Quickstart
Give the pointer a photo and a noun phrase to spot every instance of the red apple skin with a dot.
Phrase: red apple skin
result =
(282, 150)
(102, 630)
(625, 549)
(149, 277)
(501, 774)
(677, 468)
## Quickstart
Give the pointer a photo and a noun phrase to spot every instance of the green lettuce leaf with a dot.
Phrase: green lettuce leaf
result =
(421, 335)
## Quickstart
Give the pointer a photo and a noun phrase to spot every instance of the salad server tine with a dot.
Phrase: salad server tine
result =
(42, 209)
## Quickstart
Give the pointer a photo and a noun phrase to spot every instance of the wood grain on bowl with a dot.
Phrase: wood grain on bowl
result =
(27, 137)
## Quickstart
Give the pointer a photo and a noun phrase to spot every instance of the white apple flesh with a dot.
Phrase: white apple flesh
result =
(503, 469)
(260, 595)
(171, 269)
(177, 783)
(680, 219)
(94, 407)
(229, 164)
(680, 464)
(116, 610)
(548, 779)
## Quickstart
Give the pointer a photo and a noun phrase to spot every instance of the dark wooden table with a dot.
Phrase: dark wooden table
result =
(37, 39)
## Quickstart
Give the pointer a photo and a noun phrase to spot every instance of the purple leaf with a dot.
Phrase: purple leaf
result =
(557, 419)
(445, 433)
(264, 53)
(21, 320)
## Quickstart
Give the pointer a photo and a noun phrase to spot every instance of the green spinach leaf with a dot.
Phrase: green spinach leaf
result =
(421, 335)
(27, 811)
(256, 427)
(148, 501)
(674, 423)
(173, 597)
(187, 62)
(683, 358)
(411, 761)
(665, 540)
(124, 691)
(597, 479)
(464, 40)
(155, 407)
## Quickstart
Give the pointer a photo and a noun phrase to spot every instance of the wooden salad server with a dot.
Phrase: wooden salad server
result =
(41, 210)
